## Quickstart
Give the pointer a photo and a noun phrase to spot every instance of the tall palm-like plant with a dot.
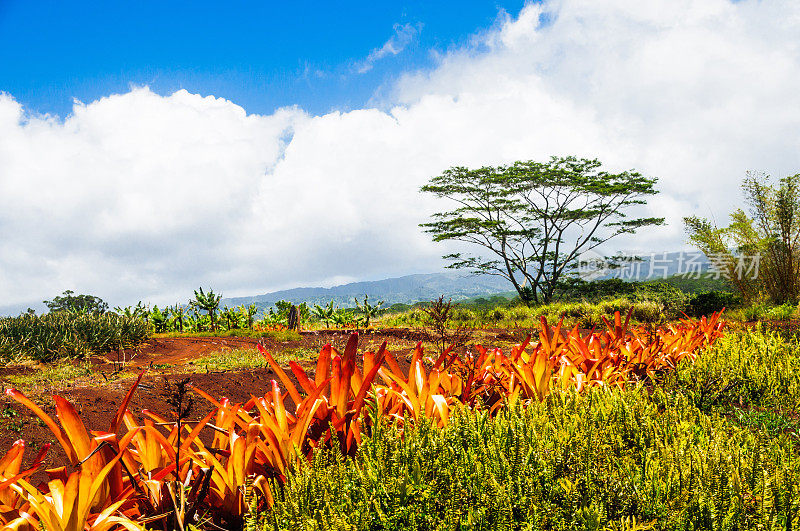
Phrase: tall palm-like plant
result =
(251, 312)
(324, 313)
(209, 302)
(178, 312)
(368, 310)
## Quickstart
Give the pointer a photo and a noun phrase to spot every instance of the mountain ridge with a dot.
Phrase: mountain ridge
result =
(406, 289)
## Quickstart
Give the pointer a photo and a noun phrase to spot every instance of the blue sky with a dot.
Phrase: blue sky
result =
(261, 55)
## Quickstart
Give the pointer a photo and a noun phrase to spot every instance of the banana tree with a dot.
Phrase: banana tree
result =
(159, 318)
(325, 314)
(368, 310)
(140, 310)
(208, 302)
(232, 317)
(251, 312)
(178, 320)
(345, 316)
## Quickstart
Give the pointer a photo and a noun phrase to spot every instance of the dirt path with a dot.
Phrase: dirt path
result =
(164, 361)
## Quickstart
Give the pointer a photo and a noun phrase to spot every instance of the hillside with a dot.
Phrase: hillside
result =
(407, 290)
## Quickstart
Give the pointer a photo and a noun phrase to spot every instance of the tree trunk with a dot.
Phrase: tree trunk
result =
(293, 320)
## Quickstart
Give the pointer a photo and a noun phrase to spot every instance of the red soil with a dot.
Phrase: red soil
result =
(98, 397)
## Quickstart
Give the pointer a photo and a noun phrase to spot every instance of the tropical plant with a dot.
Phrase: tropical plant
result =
(367, 310)
(324, 313)
(240, 458)
(593, 461)
(178, 312)
(139, 310)
(232, 318)
(160, 319)
(208, 302)
(64, 334)
(251, 312)
(343, 317)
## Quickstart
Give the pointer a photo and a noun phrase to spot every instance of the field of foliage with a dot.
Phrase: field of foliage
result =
(629, 427)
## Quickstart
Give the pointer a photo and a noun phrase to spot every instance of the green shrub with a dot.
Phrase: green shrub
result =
(602, 460)
(746, 370)
(672, 299)
(709, 302)
(784, 312)
(608, 307)
(648, 312)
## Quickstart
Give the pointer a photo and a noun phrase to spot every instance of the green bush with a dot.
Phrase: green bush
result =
(648, 312)
(66, 334)
(649, 306)
(672, 299)
(784, 312)
(605, 460)
(709, 302)
(744, 370)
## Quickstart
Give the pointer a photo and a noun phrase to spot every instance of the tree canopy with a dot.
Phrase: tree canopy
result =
(70, 302)
(534, 219)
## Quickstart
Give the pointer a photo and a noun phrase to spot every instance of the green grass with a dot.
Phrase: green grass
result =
(49, 376)
(231, 360)
(244, 359)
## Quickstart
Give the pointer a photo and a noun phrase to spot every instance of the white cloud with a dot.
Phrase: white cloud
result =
(404, 34)
(143, 196)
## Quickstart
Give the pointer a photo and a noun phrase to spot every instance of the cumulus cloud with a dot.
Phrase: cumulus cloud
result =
(404, 34)
(141, 196)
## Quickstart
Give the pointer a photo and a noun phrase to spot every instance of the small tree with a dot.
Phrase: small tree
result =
(368, 310)
(343, 317)
(439, 314)
(324, 313)
(69, 302)
(209, 302)
(160, 319)
(534, 219)
(251, 312)
(178, 312)
(232, 317)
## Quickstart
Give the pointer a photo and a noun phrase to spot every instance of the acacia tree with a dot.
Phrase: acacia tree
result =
(771, 231)
(534, 219)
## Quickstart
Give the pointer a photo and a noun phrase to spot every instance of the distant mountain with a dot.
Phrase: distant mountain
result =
(407, 290)
(459, 285)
